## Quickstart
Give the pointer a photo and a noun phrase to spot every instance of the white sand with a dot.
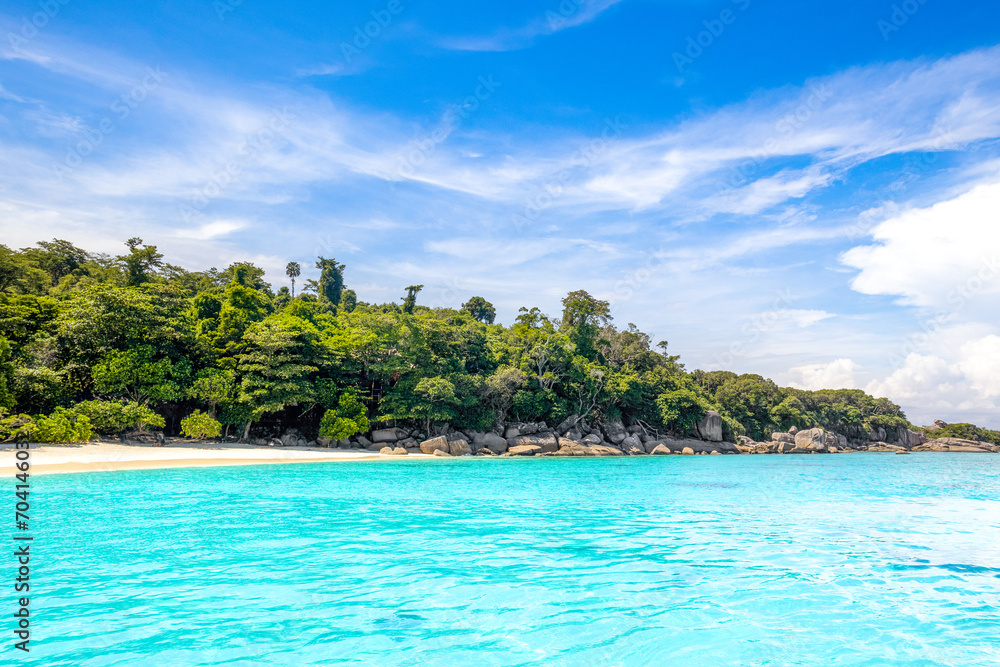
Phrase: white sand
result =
(49, 458)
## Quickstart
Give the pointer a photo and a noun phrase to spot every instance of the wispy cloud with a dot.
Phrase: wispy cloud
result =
(567, 14)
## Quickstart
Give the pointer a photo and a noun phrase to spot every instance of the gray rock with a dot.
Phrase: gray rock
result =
(546, 442)
(592, 439)
(363, 441)
(459, 447)
(710, 427)
(811, 440)
(566, 424)
(783, 437)
(434, 445)
(389, 435)
(494, 443)
(615, 432)
(511, 432)
(632, 446)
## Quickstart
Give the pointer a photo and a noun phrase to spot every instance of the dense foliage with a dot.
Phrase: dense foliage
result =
(132, 342)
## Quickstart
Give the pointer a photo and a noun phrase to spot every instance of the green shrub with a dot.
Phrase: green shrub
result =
(114, 417)
(199, 425)
(347, 419)
(63, 426)
(16, 428)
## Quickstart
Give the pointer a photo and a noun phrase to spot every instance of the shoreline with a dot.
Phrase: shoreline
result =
(47, 459)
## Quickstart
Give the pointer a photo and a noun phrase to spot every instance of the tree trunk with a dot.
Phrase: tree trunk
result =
(246, 432)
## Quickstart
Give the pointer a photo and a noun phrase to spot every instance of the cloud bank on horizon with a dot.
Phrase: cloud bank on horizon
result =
(810, 193)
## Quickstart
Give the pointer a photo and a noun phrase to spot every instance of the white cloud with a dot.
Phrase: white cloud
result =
(561, 17)
(212, 230)
(980, 362)
(946, 256)
(837, 374)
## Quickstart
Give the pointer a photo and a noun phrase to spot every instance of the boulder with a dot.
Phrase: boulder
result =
(569, 447)
(274, 442)
(909, 438)
(566, 424)
(937, 425)
(459, 448)
(409, 443)
(632, 446)
(793, 430)
(687, 451)
(811, 440)
(783, 437)
(393, 451)
(441, 452)
(614, 432)
(592, 439)
(374, 447)
(745, 441)
(493, 442)
(956, 445)
(363, 441)
(877, 434)
(715, 453)
(697, 446)
(512, 432)
(486, 451)
(524, 450)
(710, 427)
(389, 435)
(527, 429)
(434, 445)
(660, 450)
(546, 442)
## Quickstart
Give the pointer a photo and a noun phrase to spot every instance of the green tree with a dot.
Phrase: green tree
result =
(480, 309)
(6, 375)
(331, 281)
(410, 300)
(583, 317)
(199, 426)
(348, 418)
(293, 271)
(276, 365)
(141, 263)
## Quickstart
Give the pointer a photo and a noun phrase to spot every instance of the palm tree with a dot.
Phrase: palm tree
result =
(293, 271)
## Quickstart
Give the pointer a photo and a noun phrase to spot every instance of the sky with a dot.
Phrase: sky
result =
(805, 190)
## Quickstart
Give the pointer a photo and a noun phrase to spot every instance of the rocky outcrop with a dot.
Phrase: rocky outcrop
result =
(710, 427)
(523, 450)
(783, 437)
(393, 451)
(389, 435)
(434, 445)
(632, 445)
(441, 452)
(567, 424)
(661, 450)
(936, 426)
(493, 442)
(569, 447)
(810, 440)
(546, 442)
(909, 439)
(697, 446)
(615, 432)
(956, 445)
(459, 447)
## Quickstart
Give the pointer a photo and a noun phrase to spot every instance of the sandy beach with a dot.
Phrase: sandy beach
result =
(109, 456)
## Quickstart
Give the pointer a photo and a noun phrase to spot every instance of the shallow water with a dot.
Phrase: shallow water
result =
(860, 559)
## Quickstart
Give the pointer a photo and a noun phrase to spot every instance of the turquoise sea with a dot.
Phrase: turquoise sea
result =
(860, 559)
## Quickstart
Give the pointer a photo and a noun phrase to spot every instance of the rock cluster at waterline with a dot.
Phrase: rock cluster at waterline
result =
(574, 437)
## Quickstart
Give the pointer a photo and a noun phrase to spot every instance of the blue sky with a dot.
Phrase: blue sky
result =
(805, 190)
